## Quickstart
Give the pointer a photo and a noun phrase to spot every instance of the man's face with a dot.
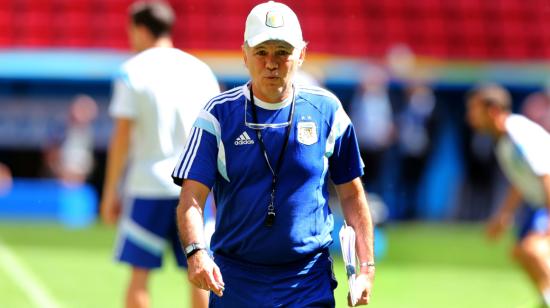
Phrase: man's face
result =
(477, 115)
(272, 65)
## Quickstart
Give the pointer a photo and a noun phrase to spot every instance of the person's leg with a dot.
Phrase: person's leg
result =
(533, 252)
(137, 295)
(199, 297)
(517, 255)
(140, 244)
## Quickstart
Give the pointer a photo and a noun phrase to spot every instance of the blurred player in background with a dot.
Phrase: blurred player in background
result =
(6, 179)
(156, 98)
(537, 108)
(267, 149)
(77, 150)
(415, 130)
(69, 157)
(372, 116)
(523, 152)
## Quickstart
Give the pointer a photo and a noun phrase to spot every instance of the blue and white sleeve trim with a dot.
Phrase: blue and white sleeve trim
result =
(189, 153)
(206, 121)
(339, 125)
(210, 124)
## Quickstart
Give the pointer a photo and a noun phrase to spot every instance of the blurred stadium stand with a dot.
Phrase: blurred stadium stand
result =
(52, 50)
(503, 29)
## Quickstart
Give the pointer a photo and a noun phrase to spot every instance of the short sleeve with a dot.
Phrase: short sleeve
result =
(211, 88)
(199, 160)
(345, 162)
(536, 149)
(123, 103)
(533, 141)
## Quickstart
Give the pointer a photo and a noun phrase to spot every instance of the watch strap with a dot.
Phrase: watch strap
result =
(193, 248)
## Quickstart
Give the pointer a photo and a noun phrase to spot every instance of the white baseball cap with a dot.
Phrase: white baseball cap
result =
(273, 21)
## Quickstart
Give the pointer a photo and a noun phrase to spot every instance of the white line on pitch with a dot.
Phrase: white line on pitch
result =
(25, 279)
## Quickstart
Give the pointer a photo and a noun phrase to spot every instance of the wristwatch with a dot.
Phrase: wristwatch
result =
(192, 248)
(367, 264)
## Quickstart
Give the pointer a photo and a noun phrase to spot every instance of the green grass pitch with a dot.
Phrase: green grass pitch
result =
(427, 265)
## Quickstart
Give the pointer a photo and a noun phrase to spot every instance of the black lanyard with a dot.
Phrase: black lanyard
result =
(270, 218)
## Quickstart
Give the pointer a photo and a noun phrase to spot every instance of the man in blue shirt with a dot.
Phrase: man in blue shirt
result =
(267, 149)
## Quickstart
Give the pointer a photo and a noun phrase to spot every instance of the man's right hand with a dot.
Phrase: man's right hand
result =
(204, 273)
(110, 209)
(497, 225)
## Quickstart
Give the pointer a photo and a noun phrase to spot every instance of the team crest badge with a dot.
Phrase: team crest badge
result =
(307, 133)
(274, 19)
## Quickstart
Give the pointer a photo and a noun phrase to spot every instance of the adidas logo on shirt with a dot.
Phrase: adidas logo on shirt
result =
(243, 139)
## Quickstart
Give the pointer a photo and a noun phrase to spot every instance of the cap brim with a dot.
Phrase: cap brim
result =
(273, 36)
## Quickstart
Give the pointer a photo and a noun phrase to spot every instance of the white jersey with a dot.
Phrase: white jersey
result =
(162, 90)
(524, 156)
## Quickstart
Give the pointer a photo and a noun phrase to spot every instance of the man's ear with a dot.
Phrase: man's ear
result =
(144, 32)
(302, 55)
(245, 59)
(493, 111)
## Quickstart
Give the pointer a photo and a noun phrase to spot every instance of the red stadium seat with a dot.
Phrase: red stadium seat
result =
(33, 29)
(507, 29)
(74, 30)
(81, 6)
(111, 30)
(33, 5)
(6, 28)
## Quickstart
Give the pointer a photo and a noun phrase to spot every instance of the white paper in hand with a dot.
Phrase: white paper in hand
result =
(347, 242)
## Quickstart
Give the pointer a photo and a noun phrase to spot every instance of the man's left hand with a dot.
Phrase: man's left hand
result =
(363, 286)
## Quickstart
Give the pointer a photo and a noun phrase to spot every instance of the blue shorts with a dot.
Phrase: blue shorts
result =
(303, 284)
(532, 219)
(146, 227)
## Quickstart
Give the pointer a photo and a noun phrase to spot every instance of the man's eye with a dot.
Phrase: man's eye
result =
(261, 52)
(283, 53)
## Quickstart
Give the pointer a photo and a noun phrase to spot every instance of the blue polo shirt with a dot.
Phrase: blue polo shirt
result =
(224, 154)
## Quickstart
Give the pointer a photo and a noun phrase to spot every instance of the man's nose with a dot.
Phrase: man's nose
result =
(270, 63)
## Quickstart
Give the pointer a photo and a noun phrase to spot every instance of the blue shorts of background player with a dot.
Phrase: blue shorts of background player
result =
(301, 284)
(146, 227)
(532, 219)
